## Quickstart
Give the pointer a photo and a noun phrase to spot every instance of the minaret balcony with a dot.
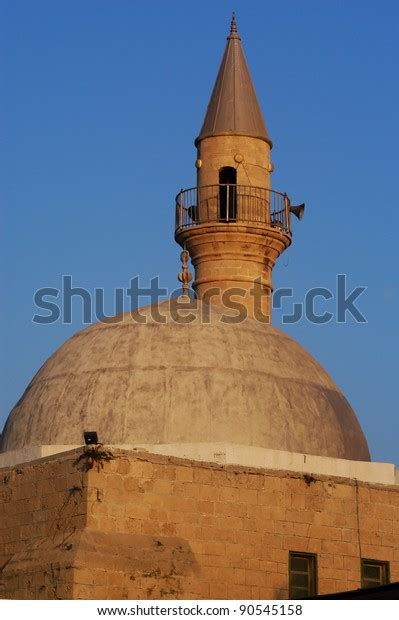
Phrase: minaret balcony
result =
(229, 204)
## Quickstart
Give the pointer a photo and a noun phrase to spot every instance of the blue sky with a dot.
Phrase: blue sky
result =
(102, 101)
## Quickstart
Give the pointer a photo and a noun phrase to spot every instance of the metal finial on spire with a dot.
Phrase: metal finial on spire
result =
(233, 25)
(185, 276)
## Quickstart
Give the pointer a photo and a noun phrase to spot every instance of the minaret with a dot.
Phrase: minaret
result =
(232, 224)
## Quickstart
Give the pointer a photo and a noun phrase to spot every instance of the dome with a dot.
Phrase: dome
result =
(178, 382)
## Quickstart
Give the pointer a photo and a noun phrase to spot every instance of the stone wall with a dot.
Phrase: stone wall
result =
(145, 526)
(42, 511)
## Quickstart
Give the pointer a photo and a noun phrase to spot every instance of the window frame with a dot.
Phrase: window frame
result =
(312, 574)
(370, 583)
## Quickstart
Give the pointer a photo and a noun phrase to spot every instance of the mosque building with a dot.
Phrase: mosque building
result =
(222, 461)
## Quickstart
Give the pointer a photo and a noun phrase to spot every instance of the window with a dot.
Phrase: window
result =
(302, 575)
(227, 193)
(374, 573)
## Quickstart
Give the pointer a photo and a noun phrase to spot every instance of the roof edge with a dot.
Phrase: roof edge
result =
(199, 138)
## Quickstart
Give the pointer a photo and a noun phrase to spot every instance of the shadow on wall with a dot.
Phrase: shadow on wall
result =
(145, 567)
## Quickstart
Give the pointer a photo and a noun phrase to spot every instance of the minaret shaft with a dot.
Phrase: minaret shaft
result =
(233, 225)
(235, 265)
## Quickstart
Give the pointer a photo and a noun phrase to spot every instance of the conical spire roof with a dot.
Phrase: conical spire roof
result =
(233, 107)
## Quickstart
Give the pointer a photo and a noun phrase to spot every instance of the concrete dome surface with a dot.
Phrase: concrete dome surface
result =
(153, 383)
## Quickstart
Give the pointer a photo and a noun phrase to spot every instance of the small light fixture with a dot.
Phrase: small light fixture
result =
(91, 438)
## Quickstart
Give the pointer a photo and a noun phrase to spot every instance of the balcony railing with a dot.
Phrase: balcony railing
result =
(232, 203)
